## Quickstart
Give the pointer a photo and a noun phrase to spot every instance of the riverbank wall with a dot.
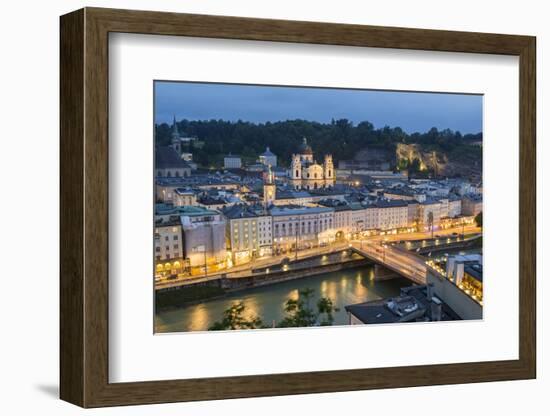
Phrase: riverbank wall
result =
(196, 292)
(475, 242)
(257, 280)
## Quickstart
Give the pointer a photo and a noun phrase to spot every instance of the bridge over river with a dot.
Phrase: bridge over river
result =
(407, 264)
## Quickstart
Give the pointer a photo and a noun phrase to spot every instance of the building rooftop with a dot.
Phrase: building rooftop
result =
(197, 180)
(289, 194)
(337, 204)
(412, 305)
(239, 211)
(393, 203)
(281, 210)
(474, 198)
(475, 270)
(268, 153)
(184, 191)
(166, 157)
(187, 210)
(401, 190)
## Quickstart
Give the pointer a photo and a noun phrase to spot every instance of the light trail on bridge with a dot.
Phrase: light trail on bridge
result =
(408, 265)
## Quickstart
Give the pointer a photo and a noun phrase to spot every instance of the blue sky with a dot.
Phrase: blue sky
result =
(412, 111)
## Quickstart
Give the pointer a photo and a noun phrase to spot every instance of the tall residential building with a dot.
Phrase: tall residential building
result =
(343, 218)
(248, 232)
(168, 247)
(301, 227)
(429, 209)
(204, 239)
(458, 281)
(389, 215)
(472, 204)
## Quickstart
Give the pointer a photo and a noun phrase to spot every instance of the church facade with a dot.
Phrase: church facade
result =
(306, 173)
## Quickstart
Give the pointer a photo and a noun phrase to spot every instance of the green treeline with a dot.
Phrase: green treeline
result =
(342, 138)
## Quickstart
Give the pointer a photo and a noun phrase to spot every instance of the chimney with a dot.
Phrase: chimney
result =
(435, 309)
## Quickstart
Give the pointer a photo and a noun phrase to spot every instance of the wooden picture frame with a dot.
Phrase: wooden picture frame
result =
(84, 207)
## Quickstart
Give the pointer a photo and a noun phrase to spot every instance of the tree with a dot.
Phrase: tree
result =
(479, 219)
(342, 138)
(326, 309)
(414, 165)
(233, 318)
(402, 164)
(431, 222)
(300, 312)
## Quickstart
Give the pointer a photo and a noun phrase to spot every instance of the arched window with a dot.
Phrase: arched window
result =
(177, 174)
(329, 173)
(297, 173)
(169, 174)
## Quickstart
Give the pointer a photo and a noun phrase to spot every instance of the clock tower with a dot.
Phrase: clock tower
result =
(269, 187)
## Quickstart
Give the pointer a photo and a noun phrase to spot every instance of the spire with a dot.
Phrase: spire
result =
(175, 132)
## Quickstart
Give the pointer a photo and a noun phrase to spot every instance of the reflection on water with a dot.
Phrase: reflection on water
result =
(343, 288)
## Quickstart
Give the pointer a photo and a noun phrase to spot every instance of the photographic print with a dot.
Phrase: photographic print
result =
(291, 206)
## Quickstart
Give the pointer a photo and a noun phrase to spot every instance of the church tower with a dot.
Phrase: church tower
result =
(176, 143)
(270, 189)
(175, 131)
(328, 168)
(296, 168)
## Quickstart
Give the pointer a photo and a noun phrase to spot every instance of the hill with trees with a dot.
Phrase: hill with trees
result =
(342, 138)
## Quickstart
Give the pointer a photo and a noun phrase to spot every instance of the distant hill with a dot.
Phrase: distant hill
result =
(464, 160)
(342, 138)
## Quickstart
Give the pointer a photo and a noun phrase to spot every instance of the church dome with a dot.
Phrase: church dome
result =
(305, 149)
(268, 153)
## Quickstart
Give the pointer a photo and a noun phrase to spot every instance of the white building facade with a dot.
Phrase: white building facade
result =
(232, 162)
(204, 240)
(301, 227)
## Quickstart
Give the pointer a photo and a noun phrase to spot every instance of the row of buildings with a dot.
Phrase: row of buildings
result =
(200, 238)
(205, 222)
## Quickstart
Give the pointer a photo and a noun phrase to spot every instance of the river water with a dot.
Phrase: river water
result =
(343, 287)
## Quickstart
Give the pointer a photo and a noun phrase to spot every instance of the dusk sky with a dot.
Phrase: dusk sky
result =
(413, 112)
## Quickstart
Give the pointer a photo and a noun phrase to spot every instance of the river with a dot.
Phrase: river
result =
(343, 287)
